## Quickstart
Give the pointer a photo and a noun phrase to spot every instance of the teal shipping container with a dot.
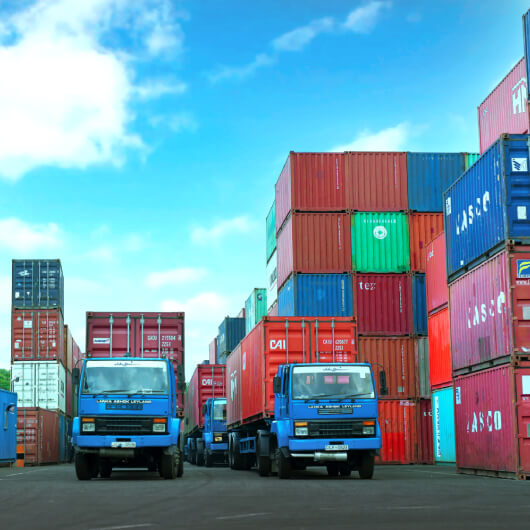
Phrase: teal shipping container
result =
(270, 231)
(443, 423)
(255, 308)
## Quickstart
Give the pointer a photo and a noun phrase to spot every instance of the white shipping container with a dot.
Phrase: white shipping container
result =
(272, 288)
(41, 384)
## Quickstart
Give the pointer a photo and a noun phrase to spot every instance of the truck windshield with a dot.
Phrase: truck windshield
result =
(323, 382)
(219, 411)
(120, 376)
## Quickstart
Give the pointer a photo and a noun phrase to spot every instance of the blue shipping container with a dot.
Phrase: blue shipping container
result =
(488, 205)
(316, 295)
(443, 425)
(231, 331)
(419, 304)
(38, 284)
(428, 176)
(8, 426)
(526, 35)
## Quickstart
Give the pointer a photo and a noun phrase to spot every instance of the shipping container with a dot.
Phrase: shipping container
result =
(314, 243)
(424, 227)
(212, 350)
(270, 232)
(505, 109)
(241, 314)
(394, 355)
(440, 373)
(469, 160)
(273, 311)
(207, 382)
(380, 242)
(383, 304)
(399, 431)
(443, 422)
(77, 356)
(37, 335)
(421, 354)
(310, 182)
(255, 308)
(38, 284)
(69, 394)
(38, 434)
(425, 436)
(68, 351)
(376, 182)
(231, 331)
(419, 304)
(8, 429)
(488, 205)
(490, 312)
(271, 273)
(526, 35)
(436, 275)
(492, 417)
(275, 341)
(316, 295)
(41, 384)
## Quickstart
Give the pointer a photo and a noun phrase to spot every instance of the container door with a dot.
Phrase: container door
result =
(520, 281)
(522, 378)
(333, 341)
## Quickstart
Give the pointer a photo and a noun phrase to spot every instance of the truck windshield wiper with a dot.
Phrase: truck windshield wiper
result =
(339, 396)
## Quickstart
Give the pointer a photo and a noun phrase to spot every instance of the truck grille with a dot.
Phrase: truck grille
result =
(124, 425)
(336, 429)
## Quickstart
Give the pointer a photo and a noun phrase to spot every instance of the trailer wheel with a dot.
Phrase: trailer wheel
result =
(366, 469)
(83, 467)
(208, 459)
(284, 466)
(105, 469)
(234, 452)
(263, 462)
(333, 469)
(180, 465)
(168, 467)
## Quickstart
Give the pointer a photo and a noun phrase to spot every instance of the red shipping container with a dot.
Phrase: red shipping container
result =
(424, 227)
(436, 275)
(492, 418)
(383, 304)
(76, 354)
(314, 243)
(212, 351)
(440, 373)
(275, 341)
(311, 182)
(38, 434)
(396, 356)
(37, 335)
(376, 182)
(207, 382)
(425, 436)
(490, 312)
(398, 423)
(505, 109)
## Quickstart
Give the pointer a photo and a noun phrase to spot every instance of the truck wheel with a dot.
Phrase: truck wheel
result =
(208, 460)
(105, 469)
(168, 467)
(366, 469)
(333, 469)
(263, 462)
(200, 458)
(83, 468)
(180, 465)
(284, 466)
(235, 453)
(344, 470)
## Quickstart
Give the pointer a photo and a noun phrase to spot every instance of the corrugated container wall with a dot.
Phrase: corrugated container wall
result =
(424, 227)
(504, 110)
(38, 433)
(255, 308)
(310, 182)
(318, 295)
(429, 175)
(68, 348)
(376, 182)
(526, 34)
(469, 160)
(419, 304)
(489, 204)
(436, 275)
(383, 304)
(421, 354)
(314, 243)
(425, 444)
(443, 422)
(270, 232)
(271, 273)
(380, 242)
(38, 284)
(440, 373)
(231, 331)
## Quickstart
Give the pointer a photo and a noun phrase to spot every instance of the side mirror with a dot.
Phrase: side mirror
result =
(277, 385)
(75, 376)
(204, 408)
(383, 389)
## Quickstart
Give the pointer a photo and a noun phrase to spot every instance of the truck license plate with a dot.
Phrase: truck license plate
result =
(124, 445)
(336, 447)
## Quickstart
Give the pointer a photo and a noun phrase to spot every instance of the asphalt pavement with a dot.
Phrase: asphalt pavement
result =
(397, 497)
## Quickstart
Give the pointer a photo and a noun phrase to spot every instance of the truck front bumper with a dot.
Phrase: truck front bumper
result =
(112, 442)
(218, 447)
(314, 445)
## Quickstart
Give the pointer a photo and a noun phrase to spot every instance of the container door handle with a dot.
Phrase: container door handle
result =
(111, 321)
(316, 345)
(303, 340)
(333, 337)
(142, 324)
(159, 322)
(287, 341)
(128, 334)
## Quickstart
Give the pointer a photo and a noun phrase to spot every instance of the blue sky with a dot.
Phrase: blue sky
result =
(140, 141)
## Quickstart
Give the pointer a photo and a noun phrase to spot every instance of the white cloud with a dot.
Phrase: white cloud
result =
(180, 276)
(155, 89)
(363, 19)
(19, 236)
(298, 38)
(205, 236)
(184, 121)
(103, 254)
(241, 72)
(133, 243)
(390, 139)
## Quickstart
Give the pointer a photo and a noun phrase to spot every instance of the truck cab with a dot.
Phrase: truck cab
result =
(127, 417)
(214, 434)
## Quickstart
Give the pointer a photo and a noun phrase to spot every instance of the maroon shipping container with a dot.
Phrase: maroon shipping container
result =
(505, 109)
(273, 311)
(398, 422)
(492, 418)
(490, 312)
(38, 434)
(251, 367)
(76, 354)
(207, 382)
(376, 182)
(311, 182)
(212, 351)
(436, 275)
(425, 436)
(396, 356)
(383, 304)
(440, 373)
(314, 243)
(37, 335)
(424, 227)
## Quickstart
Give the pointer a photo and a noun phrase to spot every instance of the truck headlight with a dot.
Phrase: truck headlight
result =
(159, 425)
(368, 428)
(218, 437)
(88, 425)
(300, 428)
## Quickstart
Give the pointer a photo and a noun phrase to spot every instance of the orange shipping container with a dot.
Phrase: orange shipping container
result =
(439, 349)
(424, 227)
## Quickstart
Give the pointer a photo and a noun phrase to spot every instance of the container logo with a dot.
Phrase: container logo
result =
(519, 164)
(233, 384)
(519, 96)
(277, 344)
(380, 232)
(23, 273)
(490, 421)
(101, 340)
(471, 212)
(523, 268)
(479, 314)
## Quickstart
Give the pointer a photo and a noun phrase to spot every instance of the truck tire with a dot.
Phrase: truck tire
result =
(333, 469)
(168, 467)
(344, 470)
(263, 462)
(235, 453)
(180, 465)
(208, 459)
(366, 468)
(105, 469)
(83, 467)
(284, 466)
(199, 459)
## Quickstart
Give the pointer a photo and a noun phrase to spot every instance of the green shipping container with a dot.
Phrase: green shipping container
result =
(470, 159)
(380, 242)
(255, 308)
(271, 231)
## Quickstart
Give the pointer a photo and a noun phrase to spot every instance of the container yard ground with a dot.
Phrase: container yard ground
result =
(398, 497)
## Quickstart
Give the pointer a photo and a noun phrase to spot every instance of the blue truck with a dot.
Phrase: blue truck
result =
(8, 429)
(212, 446)
(127, 417)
